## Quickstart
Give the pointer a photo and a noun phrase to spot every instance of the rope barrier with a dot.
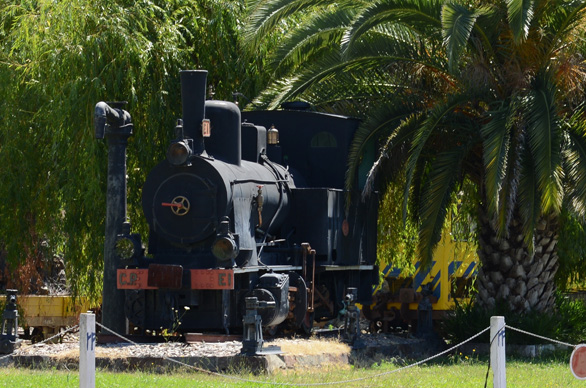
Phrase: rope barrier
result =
(305, 385)
(170, 359)
(540, 337)
(42, 342)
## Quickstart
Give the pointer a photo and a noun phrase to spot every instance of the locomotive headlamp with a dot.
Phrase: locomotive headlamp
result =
(273, 136)
(225, 247)
(124, 248)
(178, 153)
(128, 248)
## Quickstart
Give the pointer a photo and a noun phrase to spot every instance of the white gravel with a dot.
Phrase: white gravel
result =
(169, 349)
(70, 347)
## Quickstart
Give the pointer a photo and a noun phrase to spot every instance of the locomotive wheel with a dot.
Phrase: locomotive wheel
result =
(307, 323)
(134, 307)
(37, 335)
(300, 299)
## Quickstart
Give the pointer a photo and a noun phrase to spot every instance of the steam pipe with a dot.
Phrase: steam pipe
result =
(104, 114)
(117, 132)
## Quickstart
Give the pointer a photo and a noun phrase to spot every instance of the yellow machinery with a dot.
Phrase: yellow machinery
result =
(46, 314)
(404, 295)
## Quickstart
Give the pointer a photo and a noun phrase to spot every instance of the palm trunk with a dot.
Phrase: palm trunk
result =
(513, 275)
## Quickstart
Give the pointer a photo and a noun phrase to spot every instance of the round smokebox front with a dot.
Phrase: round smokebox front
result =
(181, 206)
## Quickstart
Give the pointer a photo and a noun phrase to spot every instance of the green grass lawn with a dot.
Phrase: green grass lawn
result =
(461, 373)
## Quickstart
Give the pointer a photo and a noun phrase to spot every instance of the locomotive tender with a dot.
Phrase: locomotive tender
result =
(234, 211)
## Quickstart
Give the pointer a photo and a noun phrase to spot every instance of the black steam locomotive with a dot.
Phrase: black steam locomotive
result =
(238, 210)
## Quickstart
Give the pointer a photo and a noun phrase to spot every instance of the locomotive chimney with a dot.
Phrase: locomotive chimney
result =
(193, 97)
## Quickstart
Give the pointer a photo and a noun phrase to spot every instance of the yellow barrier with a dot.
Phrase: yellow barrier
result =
(452, 270)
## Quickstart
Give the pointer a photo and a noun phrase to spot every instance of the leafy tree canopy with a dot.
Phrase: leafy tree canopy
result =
(57, 60)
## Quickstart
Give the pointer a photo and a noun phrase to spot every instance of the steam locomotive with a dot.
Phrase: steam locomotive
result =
(238, 210)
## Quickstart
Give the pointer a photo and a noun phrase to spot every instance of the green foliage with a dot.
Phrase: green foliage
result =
(397, 235)
(463, 212)
(572, 252)
(567, 323)
(396, 239)
(57, 60)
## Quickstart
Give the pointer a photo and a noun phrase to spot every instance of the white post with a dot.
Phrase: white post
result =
(497, 352)
(87, 350)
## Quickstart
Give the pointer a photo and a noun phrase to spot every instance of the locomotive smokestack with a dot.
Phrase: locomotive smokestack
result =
(193, 97)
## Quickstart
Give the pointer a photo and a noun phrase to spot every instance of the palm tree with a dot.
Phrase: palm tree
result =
(456, 90)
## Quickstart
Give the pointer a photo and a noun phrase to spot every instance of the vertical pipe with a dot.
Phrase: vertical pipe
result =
(193, 96)
(112, 298)
(497, 351)
(87, 350)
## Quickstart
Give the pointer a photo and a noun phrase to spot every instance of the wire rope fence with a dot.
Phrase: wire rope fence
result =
(497, 339)
(497, 358)
(554, 341)
(346, 381)
(46, 340)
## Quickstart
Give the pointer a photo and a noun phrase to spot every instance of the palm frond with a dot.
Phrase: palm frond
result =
(520, 15)
(433, 119)
(445, 172)
(418, 15)
(266, 15)
(457, 24)
(562, 21)
(484, 31)
(393, 41)
(496, 144)
(544, 139)
(401, 121)
(329, 67)
(529, 197)
(366, 90)
(508, 193)
(322, 31)
(575, 161)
